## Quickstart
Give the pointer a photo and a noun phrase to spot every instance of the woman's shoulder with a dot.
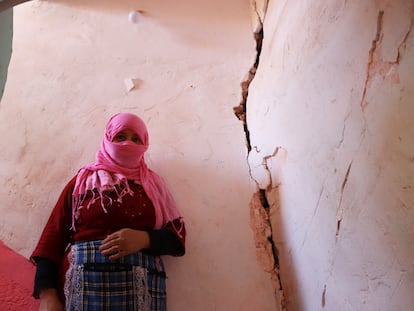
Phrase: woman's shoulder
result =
(70, 185)
(72, 181)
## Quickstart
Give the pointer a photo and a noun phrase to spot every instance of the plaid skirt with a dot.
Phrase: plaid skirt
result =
(94, 283)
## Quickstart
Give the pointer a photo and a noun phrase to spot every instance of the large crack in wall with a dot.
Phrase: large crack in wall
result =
(260, 222)
(384, 59)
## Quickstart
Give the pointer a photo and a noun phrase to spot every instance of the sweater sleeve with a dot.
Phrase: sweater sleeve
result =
(50, 249)
(47, 273)
(56, 234)
(168, 241)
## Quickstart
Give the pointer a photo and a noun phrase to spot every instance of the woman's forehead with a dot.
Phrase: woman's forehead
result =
(126, 121)
(127, 131)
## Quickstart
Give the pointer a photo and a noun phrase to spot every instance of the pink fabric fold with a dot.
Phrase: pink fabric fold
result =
(118, 162)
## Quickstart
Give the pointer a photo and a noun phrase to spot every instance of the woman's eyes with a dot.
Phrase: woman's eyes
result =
(122, 137)
(136, 139)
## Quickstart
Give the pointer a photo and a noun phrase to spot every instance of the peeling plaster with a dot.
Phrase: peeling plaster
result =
(377, 66)
(351, 185)
(266, 250)
(240, 110)
(265, 170)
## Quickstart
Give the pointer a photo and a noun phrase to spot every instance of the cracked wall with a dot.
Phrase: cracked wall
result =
(187, 61)
(328, 136)
(266, 250)
(333, 91)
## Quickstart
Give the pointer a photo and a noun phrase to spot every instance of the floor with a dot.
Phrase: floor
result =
(16, 281)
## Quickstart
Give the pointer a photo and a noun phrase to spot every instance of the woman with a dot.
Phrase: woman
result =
(101, 247)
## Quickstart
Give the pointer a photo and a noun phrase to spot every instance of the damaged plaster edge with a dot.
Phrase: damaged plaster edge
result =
(266, 250)
(371, 53)
(259, 8)
(376, 64)
(240, 110)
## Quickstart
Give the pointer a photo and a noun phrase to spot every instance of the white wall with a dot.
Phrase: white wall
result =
(66, 78)
(330, 120)
(341, 167)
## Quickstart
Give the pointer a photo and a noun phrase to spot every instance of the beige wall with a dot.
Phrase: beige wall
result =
(69, 62)
(330, 114)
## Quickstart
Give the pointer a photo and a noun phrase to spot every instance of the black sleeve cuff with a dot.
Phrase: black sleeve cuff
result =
(47, 273)
(164, 242)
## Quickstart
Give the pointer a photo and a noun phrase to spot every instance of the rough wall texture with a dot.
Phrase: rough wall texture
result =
(333, 90)
(326, 106)
(73, 65)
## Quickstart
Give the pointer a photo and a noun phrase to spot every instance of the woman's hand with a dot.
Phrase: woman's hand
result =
(124, 242)
(49, 300)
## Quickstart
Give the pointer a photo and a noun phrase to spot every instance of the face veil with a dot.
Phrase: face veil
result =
(116, 164)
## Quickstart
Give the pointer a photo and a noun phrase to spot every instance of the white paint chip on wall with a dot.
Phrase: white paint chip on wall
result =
(129, 84)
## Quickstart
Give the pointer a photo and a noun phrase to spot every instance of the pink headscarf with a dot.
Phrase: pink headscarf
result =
(118, 162)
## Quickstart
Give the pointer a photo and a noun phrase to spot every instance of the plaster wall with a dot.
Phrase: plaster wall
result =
(67, 77)
(329, 122)
(330, 115)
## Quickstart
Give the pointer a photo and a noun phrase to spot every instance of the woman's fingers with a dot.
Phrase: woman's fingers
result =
(110, 245)
(109, 250)
(117, 255)
(124, 242)
(114, 252)
(111, 238)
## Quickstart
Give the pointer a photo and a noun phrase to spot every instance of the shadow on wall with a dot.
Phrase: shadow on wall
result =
(219, 244)
(6, 34)
(180, 10)
(271, 203)
(191, 21)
